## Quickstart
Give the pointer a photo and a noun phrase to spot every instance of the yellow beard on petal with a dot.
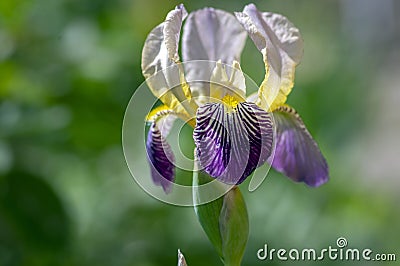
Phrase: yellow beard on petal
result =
(153, 113)
(231, 102)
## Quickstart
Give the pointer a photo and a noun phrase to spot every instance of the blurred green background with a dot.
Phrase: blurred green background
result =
(67, 71)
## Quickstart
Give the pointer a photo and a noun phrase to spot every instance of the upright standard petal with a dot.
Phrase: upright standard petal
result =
(231, 141)
(161, 46)
(172, 29)
(210, 34)
(297, 155)
(282, 47)
(160, 63)
(161, 158)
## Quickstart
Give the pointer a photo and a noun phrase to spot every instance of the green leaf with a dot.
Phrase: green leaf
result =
(224, 220)
(208, 214)
(234, 227)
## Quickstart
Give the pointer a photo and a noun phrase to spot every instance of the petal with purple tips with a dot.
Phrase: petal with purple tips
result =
(297, 155)
(231, 141)
(160, 156)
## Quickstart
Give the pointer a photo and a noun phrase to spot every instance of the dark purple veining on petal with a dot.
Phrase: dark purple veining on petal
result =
(230, 145)
(297, 155)
(160, 158)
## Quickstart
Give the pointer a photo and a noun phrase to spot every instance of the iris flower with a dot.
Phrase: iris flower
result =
(233, 133)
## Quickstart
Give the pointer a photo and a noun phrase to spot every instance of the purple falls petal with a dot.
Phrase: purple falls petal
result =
(161, 159)
(297, 155)
(230, 144)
